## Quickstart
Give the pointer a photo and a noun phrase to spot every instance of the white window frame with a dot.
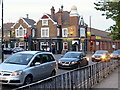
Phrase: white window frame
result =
(45, 32)
(58, 32)
(20, 32)
(64, 32)
(44, 22)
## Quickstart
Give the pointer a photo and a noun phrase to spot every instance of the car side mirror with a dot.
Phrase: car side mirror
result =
(37, 63)
(84, 55)
(78, 57)
(61, 56)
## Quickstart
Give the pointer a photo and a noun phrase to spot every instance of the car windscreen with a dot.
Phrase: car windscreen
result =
(19, 58)
(71, 55)
(115, 52)
(99, 52)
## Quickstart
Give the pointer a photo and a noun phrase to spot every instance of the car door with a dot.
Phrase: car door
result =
(37, 68)
(49, 64)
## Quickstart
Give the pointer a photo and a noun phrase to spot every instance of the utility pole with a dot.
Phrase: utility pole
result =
(2, 46)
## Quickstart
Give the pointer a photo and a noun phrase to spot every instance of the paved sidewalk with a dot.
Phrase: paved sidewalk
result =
(112, 81)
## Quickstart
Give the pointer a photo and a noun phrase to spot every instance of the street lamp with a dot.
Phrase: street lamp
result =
(2, 46)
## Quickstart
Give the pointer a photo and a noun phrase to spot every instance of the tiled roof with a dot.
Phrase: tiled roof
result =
(100, 33)
(65, 17)
(31, 22)
(7, 26)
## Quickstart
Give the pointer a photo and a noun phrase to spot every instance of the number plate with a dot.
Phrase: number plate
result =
(3, 78)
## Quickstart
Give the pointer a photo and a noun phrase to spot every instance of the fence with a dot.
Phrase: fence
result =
(85, 77)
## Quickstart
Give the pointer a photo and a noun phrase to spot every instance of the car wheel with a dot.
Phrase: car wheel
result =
(28, 80)
(53, 73)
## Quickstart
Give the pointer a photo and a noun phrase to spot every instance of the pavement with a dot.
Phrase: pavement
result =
(111, 82)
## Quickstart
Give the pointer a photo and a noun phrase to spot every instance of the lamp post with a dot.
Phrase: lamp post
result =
(2, 46)
(90, 36)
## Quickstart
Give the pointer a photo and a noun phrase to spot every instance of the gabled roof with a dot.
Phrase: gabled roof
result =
(30, 22)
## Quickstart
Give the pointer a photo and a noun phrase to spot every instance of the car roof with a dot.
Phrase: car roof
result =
(34, 52)
(102, 50)
(74, 52)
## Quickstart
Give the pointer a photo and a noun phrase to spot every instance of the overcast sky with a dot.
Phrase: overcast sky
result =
(15, 9)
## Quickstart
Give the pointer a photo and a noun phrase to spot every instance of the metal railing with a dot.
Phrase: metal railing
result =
(85, 77)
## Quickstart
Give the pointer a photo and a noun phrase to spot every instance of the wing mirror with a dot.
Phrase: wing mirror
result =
(37, 63)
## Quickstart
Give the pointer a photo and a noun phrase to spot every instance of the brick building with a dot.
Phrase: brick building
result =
(61, 31)
(7, 33)
(19, 29)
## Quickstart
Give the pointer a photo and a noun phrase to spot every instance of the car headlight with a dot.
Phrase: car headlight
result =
(103, 56)
(17, 73)
(93, 56)
(59, 62)
(111, 55)
(87, 59)
(73, 62)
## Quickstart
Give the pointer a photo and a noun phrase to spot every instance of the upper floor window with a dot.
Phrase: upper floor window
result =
(20, 32)
(44, 32)
(58, 32)
(64, 32)
(44, 22)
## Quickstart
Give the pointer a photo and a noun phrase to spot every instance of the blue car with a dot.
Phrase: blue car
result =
(73, 60)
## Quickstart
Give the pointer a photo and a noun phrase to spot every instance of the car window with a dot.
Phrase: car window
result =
(99, 52)
(37, 59)
(50, 57)
(81, 55)
(19, 58)
(45, 58)
(71, 55)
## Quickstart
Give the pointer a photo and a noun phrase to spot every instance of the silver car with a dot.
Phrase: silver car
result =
(26, 67)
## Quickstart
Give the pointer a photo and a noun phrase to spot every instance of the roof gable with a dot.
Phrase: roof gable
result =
(47, 16)
(29, 22)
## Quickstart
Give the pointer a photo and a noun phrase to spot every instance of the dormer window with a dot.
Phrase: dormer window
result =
(44, 22)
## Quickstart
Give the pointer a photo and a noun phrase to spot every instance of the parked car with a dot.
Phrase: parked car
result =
(115, 54)
(7, 50)
(73, 60)
(27, 66)
(101, 55)
(17, 49)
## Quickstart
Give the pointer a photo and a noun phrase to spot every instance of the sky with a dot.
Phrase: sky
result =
(15, 9)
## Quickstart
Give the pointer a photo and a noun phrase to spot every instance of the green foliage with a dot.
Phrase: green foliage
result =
(111, 10)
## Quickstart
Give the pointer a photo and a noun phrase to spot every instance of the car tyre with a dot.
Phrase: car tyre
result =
(28, 80)
(53, 73)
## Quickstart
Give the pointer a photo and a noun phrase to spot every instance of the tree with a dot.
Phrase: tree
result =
(111, 9)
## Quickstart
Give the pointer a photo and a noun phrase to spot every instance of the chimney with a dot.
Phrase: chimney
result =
(52, 11)
(27, 16)
(60, 17)
(62, 8)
